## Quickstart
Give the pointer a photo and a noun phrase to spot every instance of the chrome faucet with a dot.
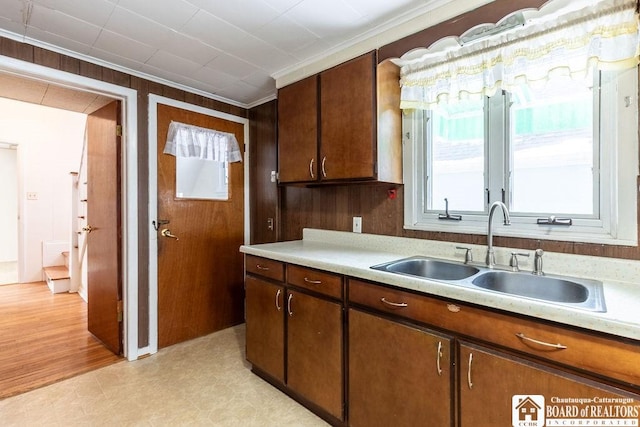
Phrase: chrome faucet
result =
(491, 258)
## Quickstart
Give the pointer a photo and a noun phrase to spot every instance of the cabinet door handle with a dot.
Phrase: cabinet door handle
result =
(469, 383)
(289, 305)
(311, 169)
(526, 340)
(324, 172)
(438, 356)
(313, 282)
(394, 304)
(278, 307)
(261, 267)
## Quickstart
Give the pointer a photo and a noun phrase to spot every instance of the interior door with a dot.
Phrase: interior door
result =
(200, 269)
(104, 281)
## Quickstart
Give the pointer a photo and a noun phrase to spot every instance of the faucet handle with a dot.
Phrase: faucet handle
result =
(514, 260)
(468, 255)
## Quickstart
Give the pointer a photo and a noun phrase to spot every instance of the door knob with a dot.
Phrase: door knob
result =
(167, 233)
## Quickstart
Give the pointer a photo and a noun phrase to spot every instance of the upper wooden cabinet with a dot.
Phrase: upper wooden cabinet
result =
(298, 131)
(342, 125)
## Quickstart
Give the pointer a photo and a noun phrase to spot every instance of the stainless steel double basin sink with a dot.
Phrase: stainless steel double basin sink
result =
(567, 291)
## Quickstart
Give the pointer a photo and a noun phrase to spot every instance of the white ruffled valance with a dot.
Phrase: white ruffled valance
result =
(570, 40)
(185, 140)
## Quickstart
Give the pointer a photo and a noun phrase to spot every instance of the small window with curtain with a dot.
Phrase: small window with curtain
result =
(539, 112)
(202, 160)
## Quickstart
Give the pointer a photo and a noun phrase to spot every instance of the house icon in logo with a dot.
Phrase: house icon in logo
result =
(528, 410)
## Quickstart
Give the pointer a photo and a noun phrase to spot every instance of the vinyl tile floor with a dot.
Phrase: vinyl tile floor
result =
(202, 382)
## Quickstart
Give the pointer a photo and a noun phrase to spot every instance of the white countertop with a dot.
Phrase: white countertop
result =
(353, 254)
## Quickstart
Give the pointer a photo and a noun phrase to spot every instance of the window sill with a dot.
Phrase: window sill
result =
(531, 231)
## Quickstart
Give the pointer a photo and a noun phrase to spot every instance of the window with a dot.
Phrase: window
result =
(455, 156)
(201, 179)
(563, 149)
(538, 111)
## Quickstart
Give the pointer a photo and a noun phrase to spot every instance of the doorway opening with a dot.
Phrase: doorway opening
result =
(8, 212)
(77, 87)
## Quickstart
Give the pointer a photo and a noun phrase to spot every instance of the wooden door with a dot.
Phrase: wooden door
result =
(398, 375)
(314, 351)
(298, 131)
(265, 326)
(104, 280)
(489, 380)
(348, 120)
(200, 275)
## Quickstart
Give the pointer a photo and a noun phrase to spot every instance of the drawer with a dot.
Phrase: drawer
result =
(391, 300)
(265, 267)
(319, 281)
(589, 352)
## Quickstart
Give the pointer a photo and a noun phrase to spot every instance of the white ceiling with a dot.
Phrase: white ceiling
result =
(228, 49)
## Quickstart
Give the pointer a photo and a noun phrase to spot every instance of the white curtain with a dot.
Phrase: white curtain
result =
(572, 40)
(185, 140)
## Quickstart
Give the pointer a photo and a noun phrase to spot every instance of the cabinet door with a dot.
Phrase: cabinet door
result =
(398, 375)
(265, 326)
(314, 351)
(348, 120)
(298, 131)
(489, 380)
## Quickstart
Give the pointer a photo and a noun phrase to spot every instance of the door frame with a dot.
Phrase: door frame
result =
(129, 171)
(154, 100)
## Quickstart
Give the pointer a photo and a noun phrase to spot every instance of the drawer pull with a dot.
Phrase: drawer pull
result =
(438, 356)
(313, 282)
(394, 304)
(261, 267)
(278, 299)
(289, 305)
(469, 383)
(542, 343)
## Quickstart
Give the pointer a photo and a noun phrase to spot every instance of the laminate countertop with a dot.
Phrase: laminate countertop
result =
(353, 254)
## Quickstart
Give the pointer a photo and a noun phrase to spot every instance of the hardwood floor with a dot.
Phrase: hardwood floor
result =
(44, 338)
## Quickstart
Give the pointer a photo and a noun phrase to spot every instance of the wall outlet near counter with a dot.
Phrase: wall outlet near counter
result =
(357, 224)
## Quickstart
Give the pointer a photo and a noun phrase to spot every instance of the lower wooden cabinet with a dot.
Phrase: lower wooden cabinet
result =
(265, 326)
(490, 379)
(399, 375)
(315, 351)
(415, 360)
(296, 339)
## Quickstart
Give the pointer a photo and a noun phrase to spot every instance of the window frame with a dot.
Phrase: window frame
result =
(618, 167)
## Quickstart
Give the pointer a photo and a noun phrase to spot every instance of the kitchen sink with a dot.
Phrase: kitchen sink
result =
(567, 291)
(429, 268)
(579, 292)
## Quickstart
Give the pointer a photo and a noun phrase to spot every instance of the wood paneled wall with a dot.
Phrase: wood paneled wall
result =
(333, 208)
(28, 53)
(264, 159)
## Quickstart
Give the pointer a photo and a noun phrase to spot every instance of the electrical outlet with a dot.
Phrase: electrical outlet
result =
(357, 224)
(32, 196)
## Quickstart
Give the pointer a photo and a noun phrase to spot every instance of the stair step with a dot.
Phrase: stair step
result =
(58, 278)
